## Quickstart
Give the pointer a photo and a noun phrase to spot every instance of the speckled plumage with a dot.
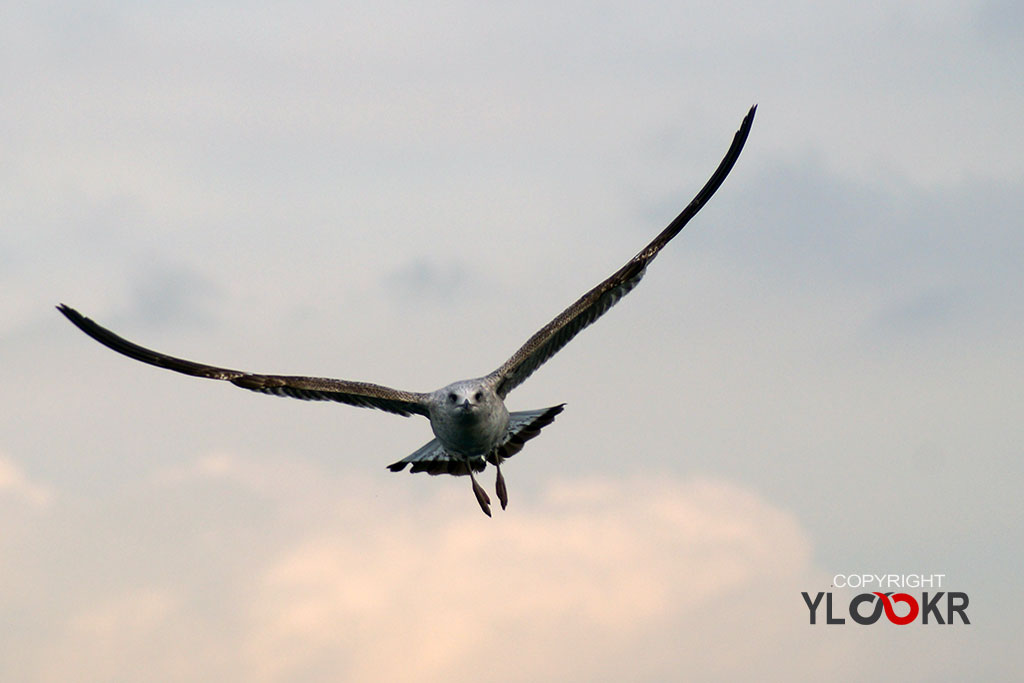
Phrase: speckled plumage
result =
(469, 419)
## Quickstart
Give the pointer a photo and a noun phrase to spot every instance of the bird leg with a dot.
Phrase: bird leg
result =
(499, 485)
(478, 491)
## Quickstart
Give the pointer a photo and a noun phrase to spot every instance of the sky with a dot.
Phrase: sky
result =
(820, 376)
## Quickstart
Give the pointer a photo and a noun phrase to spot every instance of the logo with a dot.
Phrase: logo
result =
(942, 607)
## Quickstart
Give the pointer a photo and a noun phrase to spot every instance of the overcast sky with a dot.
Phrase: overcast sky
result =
(821, 375)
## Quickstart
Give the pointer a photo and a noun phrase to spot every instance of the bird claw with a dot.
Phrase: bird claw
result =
(482, 498)
(499, 488)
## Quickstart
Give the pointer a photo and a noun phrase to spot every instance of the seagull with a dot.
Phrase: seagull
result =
(471, 425)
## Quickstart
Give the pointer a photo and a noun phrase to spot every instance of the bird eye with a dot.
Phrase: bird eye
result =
(452, 398)
(479, 396)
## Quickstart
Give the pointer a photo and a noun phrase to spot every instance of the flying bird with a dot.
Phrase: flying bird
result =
(471, 425)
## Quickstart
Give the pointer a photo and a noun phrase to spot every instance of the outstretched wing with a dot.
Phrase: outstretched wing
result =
(306, 388)
(592, 305)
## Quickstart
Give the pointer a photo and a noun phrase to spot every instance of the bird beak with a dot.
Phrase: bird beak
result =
(465, 404)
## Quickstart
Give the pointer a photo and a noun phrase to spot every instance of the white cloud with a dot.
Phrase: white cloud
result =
(14, 483)
(587, 579)
(561, 588)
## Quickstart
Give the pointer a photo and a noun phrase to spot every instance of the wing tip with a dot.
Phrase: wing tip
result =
(748, 120)
(744, 130)
(69, 313)
(81, 322)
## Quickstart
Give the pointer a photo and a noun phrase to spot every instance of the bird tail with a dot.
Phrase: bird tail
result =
(523, 425)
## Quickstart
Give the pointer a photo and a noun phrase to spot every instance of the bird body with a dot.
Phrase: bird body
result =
(471, 424)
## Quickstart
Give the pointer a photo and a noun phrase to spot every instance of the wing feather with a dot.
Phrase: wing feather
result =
(595, 303)
(362, 394)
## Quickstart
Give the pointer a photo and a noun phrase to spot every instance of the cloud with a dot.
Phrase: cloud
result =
(597, 568)
(601, 579)
(14, 483)
(421, 280)
(591, 578)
